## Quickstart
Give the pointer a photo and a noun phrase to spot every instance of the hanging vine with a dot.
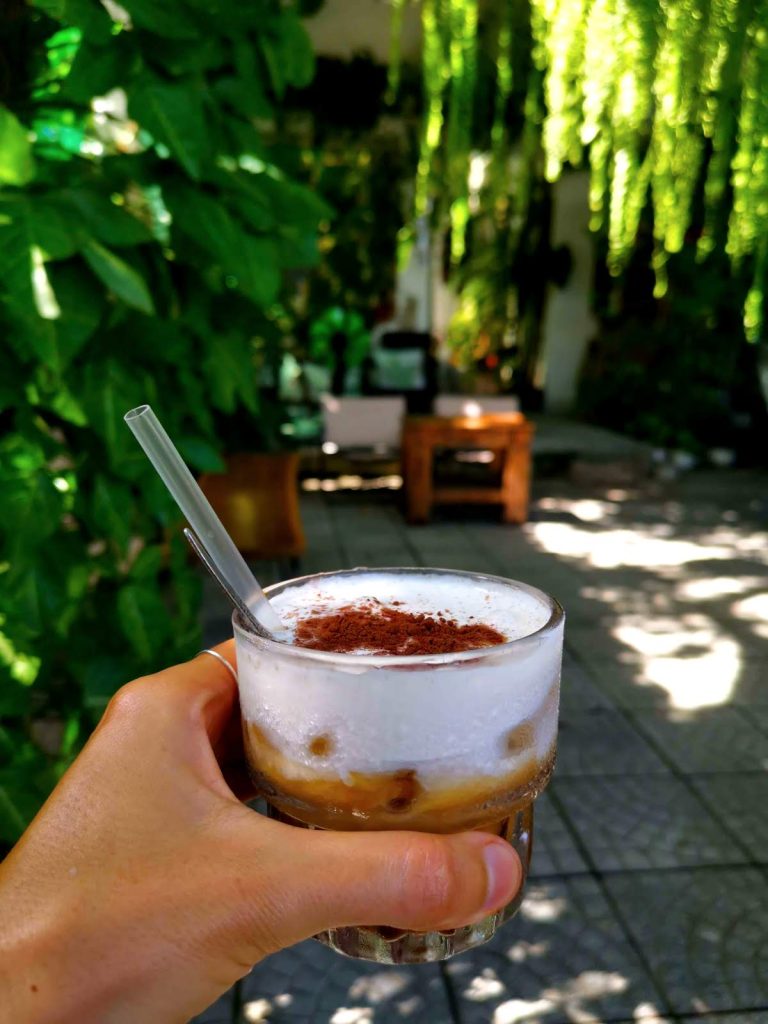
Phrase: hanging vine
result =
(667, 98)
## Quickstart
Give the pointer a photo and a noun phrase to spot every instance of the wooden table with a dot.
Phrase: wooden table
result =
(507, 435)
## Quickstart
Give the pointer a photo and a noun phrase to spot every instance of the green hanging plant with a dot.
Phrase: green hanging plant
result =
(668, 100)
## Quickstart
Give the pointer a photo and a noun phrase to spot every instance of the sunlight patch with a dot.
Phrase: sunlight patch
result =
(686, 656)
(537, 906)
(610, 549)
(485, 986)
(378, 987)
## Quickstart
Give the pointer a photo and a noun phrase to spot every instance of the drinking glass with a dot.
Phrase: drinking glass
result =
(435, 743)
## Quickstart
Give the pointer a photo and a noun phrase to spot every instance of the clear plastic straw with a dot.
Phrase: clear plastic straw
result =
(162, 453)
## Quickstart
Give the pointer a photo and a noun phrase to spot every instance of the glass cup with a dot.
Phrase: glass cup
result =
(434, 743)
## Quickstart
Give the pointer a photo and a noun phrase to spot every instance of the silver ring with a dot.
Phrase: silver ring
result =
(221, 658)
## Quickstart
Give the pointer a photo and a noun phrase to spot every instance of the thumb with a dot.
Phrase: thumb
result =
(310, 880)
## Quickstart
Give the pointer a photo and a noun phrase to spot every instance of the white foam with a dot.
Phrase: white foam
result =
(444, 720)
(514, 613)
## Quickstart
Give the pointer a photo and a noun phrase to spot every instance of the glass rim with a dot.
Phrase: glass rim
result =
(556, 617)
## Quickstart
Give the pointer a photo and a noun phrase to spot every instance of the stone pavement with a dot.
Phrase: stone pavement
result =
(648, 898)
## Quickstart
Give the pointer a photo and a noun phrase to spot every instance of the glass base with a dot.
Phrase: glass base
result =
(386, 945)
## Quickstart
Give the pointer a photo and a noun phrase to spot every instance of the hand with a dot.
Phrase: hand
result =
(144, 888)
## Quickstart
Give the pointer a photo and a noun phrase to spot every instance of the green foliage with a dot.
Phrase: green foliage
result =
(144, 227)
(669, 101)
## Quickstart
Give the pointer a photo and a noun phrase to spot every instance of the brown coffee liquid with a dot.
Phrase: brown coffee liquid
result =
(363, 801)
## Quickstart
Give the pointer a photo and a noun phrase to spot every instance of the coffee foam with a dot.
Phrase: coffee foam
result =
(446, 721)
(514, 613)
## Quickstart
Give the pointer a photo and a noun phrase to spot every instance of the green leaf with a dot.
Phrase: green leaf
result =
(169, 20)
(143, 619)
(31, 508)
(229, 373)
(60, 136)
(107, 390)
(258, 273)
(201, 455)
(53, 8)
(246, 97)
(179, 58)
(294, 205)
(173, 115)
(119, 277)
(97, 69)
(39, 595)
(17, 166)
(109, 223)
(65, 405)
(15, 698)
(82, 304)
(288, 53)
(17, 805)
(55, 228)
(91, 18)
(28, 287)
(148, 563)
(101, 677)
(297, 52)
(250, 262)
(111, 508)
(297, 250)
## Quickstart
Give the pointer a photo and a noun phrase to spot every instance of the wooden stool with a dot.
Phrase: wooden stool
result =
(507, 435)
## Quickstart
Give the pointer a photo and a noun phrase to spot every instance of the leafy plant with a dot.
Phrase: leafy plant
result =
(666, 103)
(144, 228)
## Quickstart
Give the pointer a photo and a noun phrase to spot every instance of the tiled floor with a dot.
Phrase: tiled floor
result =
(648, 896)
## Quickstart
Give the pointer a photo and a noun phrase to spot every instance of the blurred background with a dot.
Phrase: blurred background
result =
(291, 227)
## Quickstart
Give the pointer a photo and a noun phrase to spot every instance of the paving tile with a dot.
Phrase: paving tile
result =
(554, 851)
(563, 958)
(636, 822)
(704, 934)
(740, 802)
(757, 716)
(577, 690)
(621, 680)
(602, 742)
(753, 1017)
(708, 740)
(309, 984)
(593, 642)
(751, 686)
(219, 1013)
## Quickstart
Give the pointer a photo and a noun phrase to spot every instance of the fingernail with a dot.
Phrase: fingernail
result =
(503, 867)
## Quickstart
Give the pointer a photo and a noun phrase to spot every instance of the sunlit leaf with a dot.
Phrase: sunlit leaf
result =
(119, 277)
(17, 166)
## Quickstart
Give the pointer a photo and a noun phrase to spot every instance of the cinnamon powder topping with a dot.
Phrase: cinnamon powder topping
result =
(381, 629)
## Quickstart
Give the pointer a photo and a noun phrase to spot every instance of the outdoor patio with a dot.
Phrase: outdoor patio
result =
(647, 898)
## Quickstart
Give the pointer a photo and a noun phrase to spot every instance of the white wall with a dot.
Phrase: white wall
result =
(568, 320)
(342, 28)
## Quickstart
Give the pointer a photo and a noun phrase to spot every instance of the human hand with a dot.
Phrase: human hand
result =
(144, 887)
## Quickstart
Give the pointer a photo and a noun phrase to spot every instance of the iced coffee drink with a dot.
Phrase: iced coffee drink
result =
(405, 699)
